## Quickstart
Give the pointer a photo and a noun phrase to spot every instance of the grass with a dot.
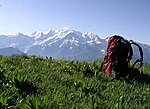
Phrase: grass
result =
(32, 82)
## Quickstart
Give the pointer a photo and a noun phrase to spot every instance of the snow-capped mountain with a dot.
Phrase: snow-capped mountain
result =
(68, 44)
(63, 43)
(20, 41)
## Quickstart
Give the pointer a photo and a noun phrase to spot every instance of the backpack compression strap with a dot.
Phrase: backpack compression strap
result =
(141, 54)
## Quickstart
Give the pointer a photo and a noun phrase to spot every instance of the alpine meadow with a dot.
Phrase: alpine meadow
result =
(33, 82)
(74, 54)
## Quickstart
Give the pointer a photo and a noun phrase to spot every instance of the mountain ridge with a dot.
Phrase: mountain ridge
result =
(63, 43)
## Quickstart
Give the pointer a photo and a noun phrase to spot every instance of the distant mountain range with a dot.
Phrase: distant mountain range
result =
(64, 43)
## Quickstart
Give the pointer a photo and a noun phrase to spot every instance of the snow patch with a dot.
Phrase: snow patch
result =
(98, 42)
(71, 48)
(103, 51)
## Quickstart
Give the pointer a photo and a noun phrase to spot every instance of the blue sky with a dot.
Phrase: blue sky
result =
(129, 18)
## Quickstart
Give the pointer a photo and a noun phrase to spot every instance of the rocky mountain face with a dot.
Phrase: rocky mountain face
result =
(63, 43)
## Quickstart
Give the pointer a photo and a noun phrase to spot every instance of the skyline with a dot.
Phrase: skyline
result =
(101, 17)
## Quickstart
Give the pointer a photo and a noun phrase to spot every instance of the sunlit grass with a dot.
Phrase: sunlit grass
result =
(35, 83)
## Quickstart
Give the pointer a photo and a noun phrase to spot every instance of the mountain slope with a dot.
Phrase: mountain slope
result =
(9, 51)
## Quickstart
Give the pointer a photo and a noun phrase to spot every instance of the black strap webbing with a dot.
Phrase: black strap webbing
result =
(130, 54)
(141, 54)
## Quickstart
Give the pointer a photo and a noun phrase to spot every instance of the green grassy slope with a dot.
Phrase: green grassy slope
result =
(37, 83)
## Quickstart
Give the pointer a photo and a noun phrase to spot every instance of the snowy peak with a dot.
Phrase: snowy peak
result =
(37, 33)
(91, 38)
(19, 34)
(89, 35)
(63, 35)
(63, 29)
(49, 32)
(50, 36)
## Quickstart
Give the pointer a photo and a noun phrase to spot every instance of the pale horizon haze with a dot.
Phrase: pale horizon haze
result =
(129, 18)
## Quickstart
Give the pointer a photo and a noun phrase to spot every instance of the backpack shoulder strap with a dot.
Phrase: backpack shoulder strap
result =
(128, 44)
(141, 54)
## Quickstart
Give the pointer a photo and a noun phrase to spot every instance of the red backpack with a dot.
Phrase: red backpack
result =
(119, 53)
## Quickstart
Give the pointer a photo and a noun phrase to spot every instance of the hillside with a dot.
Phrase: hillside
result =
(32, 82)
(9, 51)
